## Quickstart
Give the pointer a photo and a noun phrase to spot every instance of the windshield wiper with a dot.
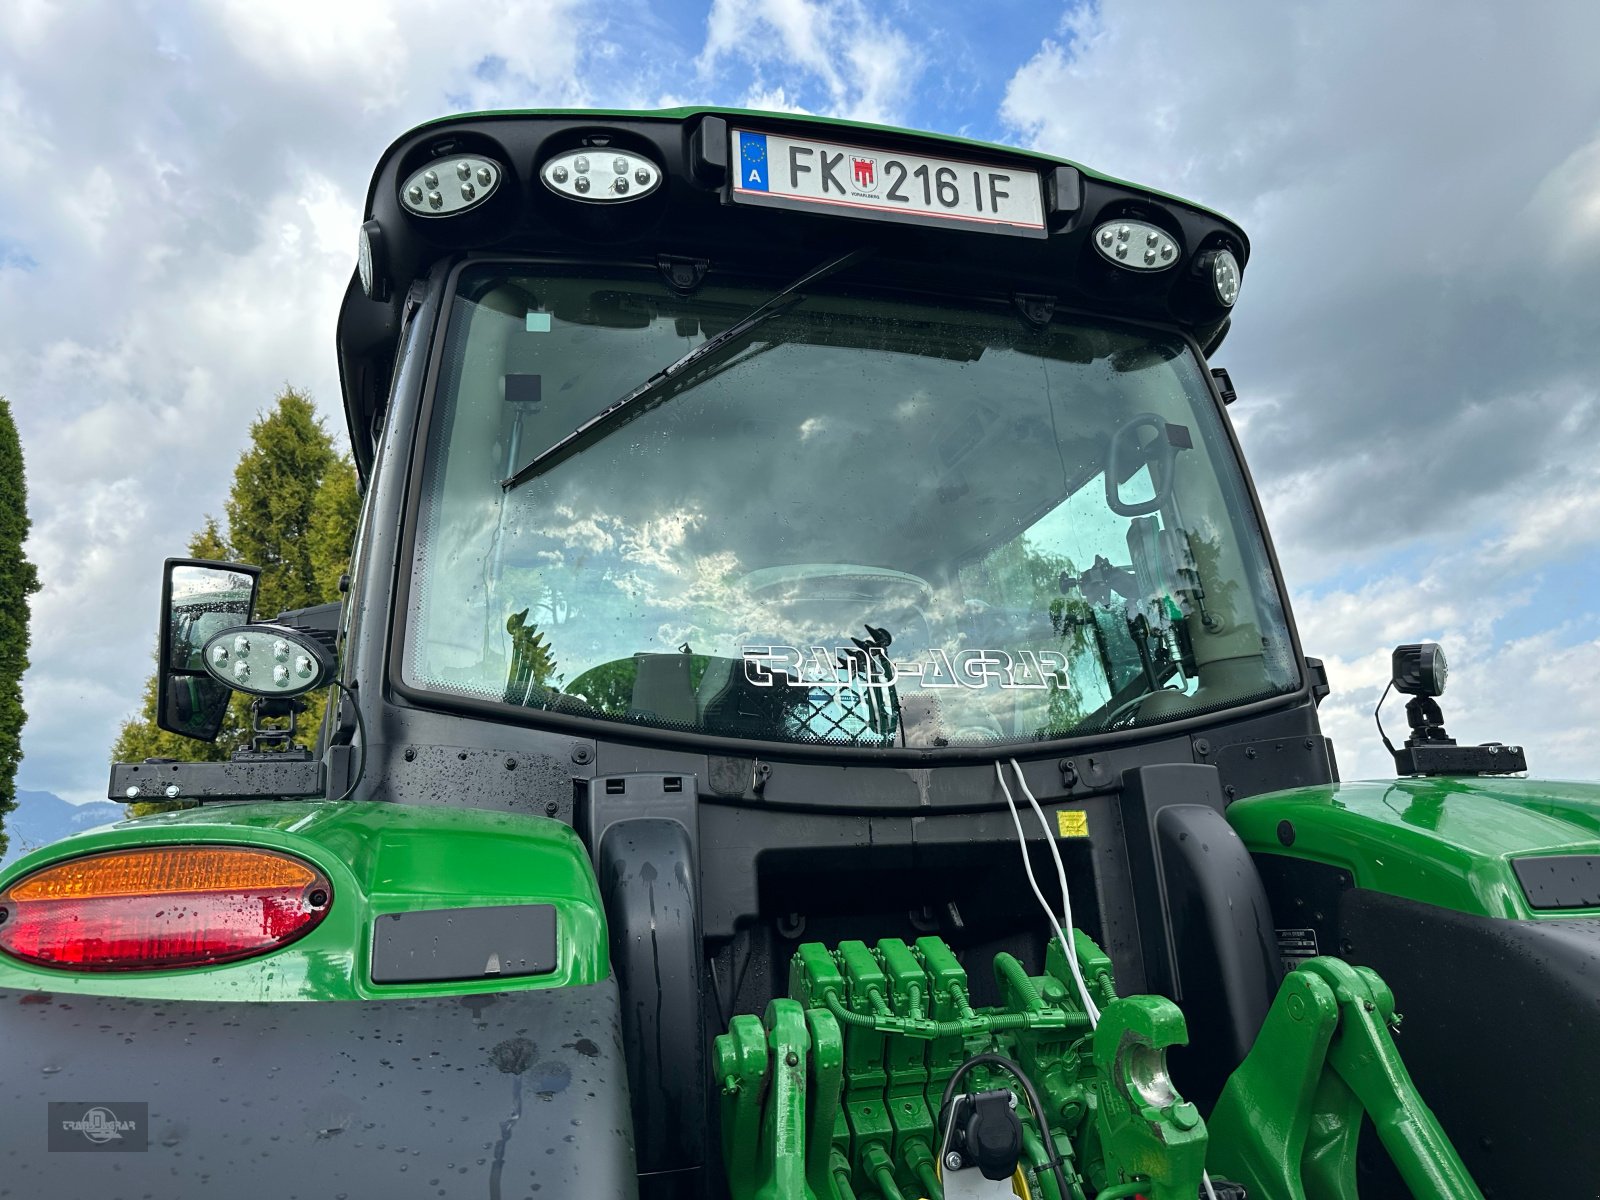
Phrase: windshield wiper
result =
(654, 390)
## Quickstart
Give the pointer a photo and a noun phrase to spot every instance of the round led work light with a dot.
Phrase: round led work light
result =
(1137, 245)
(448, 187)
(601, 175)
(268, 660)
(371, 262)
(1222, 268)
(1419, 669)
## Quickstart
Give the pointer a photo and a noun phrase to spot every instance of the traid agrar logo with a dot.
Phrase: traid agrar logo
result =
(100, 1125)
(105, 1126)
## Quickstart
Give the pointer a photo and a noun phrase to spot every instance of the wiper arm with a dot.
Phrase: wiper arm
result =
(654, 390)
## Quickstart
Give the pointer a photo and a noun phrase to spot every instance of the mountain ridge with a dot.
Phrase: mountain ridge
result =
(41, 818)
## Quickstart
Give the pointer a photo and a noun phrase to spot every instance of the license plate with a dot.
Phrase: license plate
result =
(884, 185)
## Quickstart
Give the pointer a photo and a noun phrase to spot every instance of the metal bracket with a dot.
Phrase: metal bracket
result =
(1035, 310)
(278, 776)
(683, 275)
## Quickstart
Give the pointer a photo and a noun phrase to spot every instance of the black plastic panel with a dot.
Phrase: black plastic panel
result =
(1560, 880)
(1204, 919)
(643, 831)
(435, 945)
(1494, 1009)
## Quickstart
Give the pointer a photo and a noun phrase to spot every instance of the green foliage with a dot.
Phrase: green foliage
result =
(275, 488)
(18, 581)
(335, 510)
(292, 512)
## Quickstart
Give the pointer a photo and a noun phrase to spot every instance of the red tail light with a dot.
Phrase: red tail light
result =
(160, 907)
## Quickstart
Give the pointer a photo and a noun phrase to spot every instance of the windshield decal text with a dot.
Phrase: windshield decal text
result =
(846, 667)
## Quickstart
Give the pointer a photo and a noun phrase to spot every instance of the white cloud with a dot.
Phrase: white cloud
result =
(1418, 305)
(188, 211)
(834, 57)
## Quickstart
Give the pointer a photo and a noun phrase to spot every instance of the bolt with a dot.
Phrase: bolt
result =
(511, 764)
(318, 898)
(952, 1161)
(1230, 791)
(550, 808)
(791, 1059)
(582, 755)
(411, 754)
(131, 792)
(172, 791)
(1202, 747)
(1286, 832)
(1311, 744)
(1249, 751)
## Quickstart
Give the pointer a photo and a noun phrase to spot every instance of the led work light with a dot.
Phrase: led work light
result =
(268, 660)
(600, 175)
(447, 187)
(1137, 245)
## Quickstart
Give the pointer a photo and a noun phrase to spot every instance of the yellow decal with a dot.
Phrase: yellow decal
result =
(1072, 822)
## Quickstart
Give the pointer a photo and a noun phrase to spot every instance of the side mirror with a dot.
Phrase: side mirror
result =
(198, 600)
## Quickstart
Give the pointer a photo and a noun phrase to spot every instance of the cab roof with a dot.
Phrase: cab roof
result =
(691, 224)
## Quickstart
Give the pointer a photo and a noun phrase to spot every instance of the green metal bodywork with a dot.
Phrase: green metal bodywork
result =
(380, 858)
(1445, 841)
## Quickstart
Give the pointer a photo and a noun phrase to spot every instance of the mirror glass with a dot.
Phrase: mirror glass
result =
(198, 599)
(204, 601)
(194, 705)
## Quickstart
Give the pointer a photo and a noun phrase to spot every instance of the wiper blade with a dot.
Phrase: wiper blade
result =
(654, 391)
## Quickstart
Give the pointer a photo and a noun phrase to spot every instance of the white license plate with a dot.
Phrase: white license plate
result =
(884, 185)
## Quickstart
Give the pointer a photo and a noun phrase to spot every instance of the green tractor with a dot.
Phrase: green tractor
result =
(814, 715)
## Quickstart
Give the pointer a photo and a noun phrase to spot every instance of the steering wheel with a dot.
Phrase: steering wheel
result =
(808, 581)
(1158, 453)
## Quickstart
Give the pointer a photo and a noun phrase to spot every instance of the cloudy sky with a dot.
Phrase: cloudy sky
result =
(1417, 345)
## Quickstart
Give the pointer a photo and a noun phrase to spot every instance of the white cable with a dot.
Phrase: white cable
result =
(1067, 947)
(1066, 896)
(1205, 1178)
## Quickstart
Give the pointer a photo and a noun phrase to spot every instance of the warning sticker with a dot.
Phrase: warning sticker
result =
(1295, 946)
(1072, 822)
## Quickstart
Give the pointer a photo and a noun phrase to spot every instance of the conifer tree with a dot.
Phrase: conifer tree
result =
(18, 581)
(292, 512)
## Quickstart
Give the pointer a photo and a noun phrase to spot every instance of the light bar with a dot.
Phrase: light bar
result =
(601, 175)
(1137, 245)
(448, 187)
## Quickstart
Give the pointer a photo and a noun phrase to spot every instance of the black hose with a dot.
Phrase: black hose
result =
(1034, 1103)
(361, 731)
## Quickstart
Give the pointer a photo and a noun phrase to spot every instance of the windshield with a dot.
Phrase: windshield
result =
(879, 523)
